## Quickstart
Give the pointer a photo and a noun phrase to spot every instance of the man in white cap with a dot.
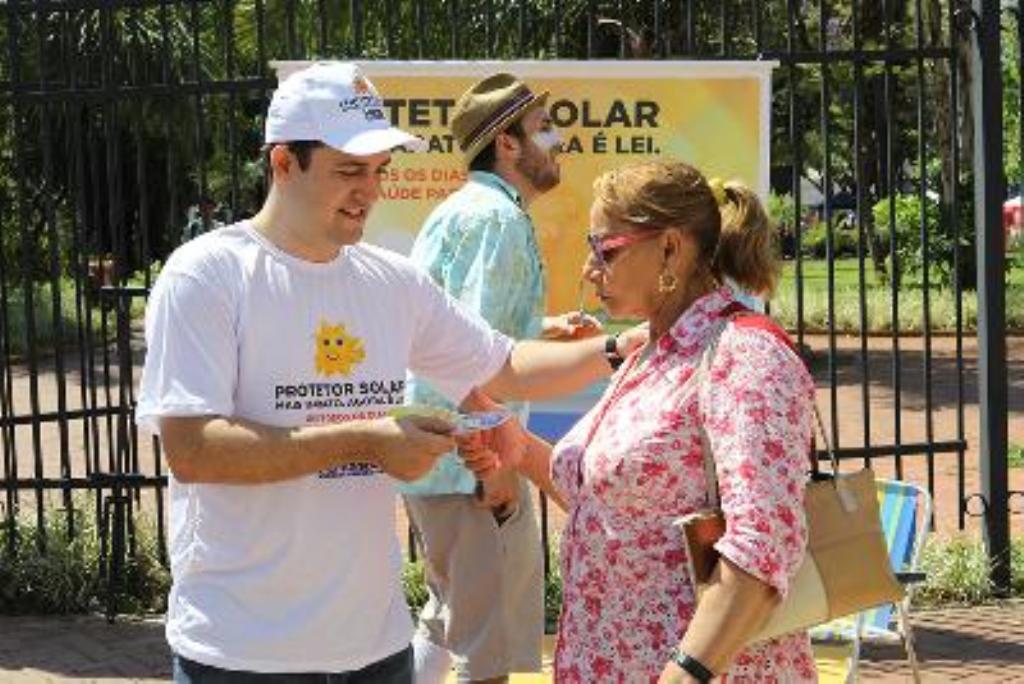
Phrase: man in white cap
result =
(276, 349)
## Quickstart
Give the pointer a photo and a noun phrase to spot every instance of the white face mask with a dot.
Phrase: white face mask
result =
(546, 140)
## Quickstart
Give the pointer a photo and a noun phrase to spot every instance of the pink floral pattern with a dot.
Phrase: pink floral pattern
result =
(626, 597)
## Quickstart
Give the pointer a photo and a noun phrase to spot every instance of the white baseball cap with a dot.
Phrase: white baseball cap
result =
(334, 103)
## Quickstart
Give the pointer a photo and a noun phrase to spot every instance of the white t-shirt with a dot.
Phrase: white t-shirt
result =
(300, 575)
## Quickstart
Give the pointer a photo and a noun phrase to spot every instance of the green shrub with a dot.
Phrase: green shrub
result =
(782, 209)
(414, 582)
(958, 572)
(552, 596)
(1017, 568)
(942, 243)
(63, 574)
(814, 241)
(1015, 457)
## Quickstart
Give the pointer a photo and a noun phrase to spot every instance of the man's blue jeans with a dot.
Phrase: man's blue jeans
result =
(395, 669)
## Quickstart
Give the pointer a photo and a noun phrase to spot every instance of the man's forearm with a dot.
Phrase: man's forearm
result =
(236, 451)
(538, 370)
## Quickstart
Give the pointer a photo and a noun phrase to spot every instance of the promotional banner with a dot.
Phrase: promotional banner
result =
(714, 115)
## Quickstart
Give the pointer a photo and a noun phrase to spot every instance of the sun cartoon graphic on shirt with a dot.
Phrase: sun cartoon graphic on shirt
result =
(337, 352)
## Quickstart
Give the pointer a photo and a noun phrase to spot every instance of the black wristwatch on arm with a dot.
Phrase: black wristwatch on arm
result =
(611, 352)
(692, 666)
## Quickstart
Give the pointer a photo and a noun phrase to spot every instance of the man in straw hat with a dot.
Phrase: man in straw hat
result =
(276, 349)
(481, 539)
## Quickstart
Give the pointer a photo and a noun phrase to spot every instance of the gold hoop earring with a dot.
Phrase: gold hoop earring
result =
(667, 282)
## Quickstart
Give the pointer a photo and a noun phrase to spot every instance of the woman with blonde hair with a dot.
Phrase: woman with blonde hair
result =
(714, 378)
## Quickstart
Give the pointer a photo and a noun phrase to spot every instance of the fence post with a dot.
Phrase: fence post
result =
(989, 182)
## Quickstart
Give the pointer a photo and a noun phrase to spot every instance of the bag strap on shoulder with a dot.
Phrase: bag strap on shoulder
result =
(739, 315)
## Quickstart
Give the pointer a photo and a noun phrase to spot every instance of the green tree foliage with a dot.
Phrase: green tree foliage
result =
(945, 234)
(165, 100)
(1012, 132)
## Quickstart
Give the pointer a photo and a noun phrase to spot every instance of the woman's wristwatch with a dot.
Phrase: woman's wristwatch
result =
(692, 666)
(611, 352)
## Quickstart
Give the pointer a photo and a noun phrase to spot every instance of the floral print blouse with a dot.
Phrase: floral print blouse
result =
(635, 463)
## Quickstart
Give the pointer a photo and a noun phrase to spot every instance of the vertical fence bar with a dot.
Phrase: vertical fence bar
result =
(56, 304)
(90, 270)
(894, 259)
(557, 24)
(141, 260)
(321, 32)
(1019, 20)
(924, 229)
(954, 152)
(28, 276)
(723, 29)
(862, 237)
(521, 28)
(691, 28)
(292, 34)
(489, 29)
(229, 62)
(390, 15)
(830, 244)
(987, 101)
(7, 432)
(758, 29)
(358, 31)
(658, 48)
(420, 18)
(453, 29)
(121, 227)
(794, 142)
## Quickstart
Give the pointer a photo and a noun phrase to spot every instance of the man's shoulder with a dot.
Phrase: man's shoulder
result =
(218, 248)
(475, 200)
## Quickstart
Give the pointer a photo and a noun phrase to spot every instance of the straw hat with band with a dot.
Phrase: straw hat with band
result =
(488, 108)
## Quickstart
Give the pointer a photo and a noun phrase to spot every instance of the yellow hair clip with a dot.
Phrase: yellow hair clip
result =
(718, 190)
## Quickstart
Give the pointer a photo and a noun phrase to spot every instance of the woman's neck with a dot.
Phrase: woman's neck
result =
(673, 307)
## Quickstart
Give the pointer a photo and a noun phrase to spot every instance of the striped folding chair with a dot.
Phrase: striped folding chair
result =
(906, 511)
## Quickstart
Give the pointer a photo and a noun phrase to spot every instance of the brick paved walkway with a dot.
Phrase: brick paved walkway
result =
(979, 644)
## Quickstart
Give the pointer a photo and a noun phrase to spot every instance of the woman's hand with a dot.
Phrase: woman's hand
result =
(477, 455)
(500, 447)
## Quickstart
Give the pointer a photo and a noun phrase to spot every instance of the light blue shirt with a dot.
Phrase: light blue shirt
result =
(479, 246)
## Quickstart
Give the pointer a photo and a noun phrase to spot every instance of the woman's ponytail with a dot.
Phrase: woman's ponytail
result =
(748, 250)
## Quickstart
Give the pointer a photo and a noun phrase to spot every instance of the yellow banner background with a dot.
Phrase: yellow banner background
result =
(608, 113)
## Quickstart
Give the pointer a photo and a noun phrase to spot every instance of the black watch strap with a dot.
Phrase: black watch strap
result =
(611, 352)
(692, 666)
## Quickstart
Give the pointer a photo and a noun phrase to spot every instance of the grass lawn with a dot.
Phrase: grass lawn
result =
(878, 300)
(48, 326)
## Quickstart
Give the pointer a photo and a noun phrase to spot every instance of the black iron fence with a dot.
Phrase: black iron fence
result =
(128, 125)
